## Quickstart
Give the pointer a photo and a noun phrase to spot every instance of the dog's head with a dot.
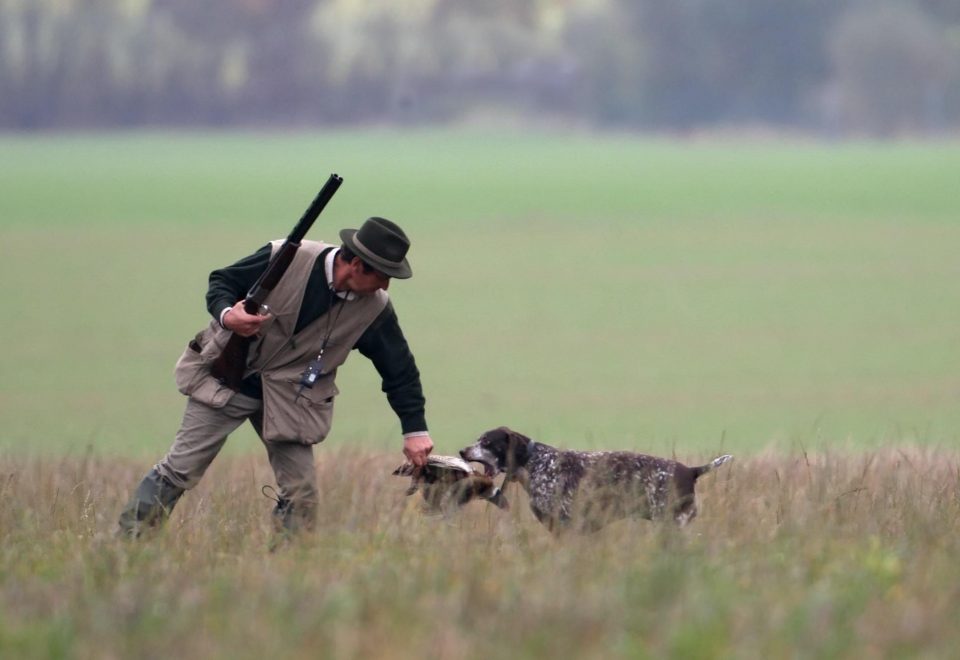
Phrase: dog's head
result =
(499, 450)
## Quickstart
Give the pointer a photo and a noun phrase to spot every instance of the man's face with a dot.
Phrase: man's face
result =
(365, 282)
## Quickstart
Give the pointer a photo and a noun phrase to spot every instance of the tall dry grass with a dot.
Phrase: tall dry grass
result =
(828, 555)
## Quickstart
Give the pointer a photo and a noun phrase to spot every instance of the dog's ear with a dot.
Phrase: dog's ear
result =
(518, 449)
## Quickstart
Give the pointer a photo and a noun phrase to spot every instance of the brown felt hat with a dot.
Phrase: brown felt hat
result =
(381, 244)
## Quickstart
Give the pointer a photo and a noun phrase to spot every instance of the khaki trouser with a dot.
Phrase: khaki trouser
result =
(202, 434)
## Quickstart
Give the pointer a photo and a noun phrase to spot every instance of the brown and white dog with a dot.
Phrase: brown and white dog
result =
(586, 489)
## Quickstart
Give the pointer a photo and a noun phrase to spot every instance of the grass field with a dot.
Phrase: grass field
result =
(591, 291)
(793, 556)
(792, 303)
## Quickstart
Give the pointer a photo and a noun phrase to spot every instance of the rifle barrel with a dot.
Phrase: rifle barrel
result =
(315, 208)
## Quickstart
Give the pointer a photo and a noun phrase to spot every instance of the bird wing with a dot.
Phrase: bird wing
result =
(454, 463)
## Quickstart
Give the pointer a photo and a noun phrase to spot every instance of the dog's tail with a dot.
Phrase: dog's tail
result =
(712, 465)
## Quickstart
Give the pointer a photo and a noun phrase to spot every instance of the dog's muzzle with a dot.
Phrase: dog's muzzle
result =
(476, 454)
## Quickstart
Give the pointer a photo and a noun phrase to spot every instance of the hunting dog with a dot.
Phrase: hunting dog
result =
(584, 490)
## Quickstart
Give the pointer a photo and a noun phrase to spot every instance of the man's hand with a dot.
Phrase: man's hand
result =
(245, 325)
(416, 448)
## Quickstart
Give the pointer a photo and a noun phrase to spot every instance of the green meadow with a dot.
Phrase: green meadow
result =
(592, 291)
(793, 303)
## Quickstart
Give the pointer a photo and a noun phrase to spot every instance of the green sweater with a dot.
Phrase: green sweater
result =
(382, 342)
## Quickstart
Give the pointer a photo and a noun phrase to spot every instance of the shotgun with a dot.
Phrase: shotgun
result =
(230, 365)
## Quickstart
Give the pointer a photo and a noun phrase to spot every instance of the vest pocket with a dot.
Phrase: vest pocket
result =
(192, 372)
(293, 416)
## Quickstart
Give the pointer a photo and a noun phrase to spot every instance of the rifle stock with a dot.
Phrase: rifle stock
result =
(230, 366)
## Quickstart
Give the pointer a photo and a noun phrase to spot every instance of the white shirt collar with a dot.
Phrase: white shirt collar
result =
(328, 269)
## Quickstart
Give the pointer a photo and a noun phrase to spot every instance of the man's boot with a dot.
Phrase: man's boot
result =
(150, 505)
(288, 518)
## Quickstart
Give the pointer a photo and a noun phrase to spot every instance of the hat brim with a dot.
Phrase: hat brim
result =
(400, 271)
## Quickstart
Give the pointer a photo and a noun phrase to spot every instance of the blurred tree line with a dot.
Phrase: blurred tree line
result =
(879, 67)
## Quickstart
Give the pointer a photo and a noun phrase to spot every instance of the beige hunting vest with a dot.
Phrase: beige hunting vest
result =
(281, 356)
